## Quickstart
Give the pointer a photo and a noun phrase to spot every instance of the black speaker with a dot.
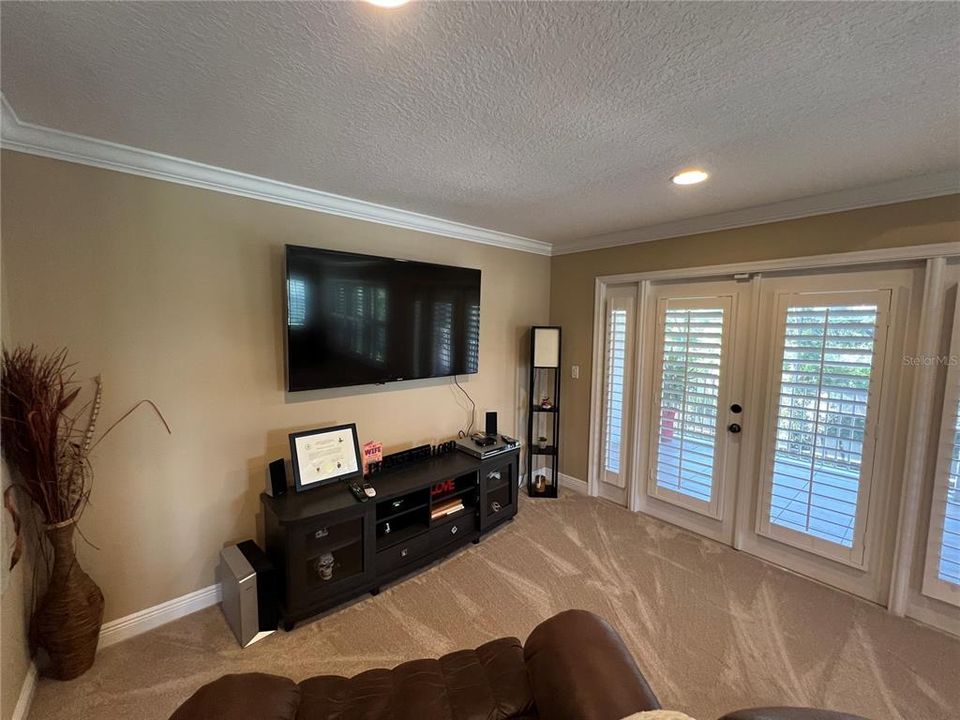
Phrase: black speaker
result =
(491, 423)
(277, 478)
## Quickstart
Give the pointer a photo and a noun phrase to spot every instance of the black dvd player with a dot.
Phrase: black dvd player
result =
(486, 445)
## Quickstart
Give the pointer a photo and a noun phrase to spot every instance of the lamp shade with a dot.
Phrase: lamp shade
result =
(546, 347)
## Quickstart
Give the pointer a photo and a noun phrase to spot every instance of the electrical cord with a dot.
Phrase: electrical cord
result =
(473, 412)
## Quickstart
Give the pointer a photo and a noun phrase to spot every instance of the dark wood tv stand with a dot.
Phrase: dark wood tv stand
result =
(330, 548)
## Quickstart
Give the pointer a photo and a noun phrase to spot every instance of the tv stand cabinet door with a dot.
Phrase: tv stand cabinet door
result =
(328, 557)
(498, 490)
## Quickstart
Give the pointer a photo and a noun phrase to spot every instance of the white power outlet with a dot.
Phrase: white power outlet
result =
(575, 372)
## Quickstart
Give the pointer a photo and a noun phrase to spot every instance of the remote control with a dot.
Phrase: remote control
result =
(362, 490)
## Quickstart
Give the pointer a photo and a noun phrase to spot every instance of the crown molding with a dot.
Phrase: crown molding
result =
(25, 137)
(21, 136)
(915, 188)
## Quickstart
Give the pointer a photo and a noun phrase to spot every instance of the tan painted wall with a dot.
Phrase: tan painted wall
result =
(175, 294)
(572, 278)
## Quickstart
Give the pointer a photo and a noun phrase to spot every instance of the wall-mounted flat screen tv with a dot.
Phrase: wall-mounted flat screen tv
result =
(359, 319)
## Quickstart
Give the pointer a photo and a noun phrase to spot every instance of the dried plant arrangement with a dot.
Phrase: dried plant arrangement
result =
(47, 444)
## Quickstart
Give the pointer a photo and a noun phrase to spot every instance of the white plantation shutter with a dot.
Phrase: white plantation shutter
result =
(690, 347)
(946, 524)
(942, 567)
(616, 353)
(617, 384)
(819, 449)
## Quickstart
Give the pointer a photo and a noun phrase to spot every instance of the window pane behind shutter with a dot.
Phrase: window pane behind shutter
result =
(689, 391)
(948, 565)
(941, 574)
(827, 362)
(616, 357)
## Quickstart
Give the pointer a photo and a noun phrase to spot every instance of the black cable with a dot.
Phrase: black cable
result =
(473, 412)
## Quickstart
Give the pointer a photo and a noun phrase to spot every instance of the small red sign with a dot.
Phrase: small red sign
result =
(444, 487)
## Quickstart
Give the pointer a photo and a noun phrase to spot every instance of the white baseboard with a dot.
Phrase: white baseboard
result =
(572, 483)
(124, 628)
(27, 689)
(153, 617)
(566, 481)
(140, 622)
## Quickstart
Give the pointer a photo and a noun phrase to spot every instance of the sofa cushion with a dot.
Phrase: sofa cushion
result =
(248, 696)
(580, 669)
(489, 683)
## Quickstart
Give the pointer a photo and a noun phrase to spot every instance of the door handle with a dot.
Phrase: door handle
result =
(734, 428)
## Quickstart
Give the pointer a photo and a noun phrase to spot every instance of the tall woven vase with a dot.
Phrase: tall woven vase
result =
(67, 622)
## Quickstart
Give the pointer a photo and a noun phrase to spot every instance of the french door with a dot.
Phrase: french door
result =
(816, 488)
(821, 427)
(760, 409)
(695, 407)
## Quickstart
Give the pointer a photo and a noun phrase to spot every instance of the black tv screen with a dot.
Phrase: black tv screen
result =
(359, 319)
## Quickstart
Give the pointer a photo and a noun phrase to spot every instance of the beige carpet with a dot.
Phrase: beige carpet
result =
(712, 629)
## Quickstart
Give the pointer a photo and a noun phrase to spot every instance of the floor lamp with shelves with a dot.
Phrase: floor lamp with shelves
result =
(543, 471)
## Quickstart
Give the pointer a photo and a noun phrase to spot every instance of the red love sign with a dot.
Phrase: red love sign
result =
(445, 486)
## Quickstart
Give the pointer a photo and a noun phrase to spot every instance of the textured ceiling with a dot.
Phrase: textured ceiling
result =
(548, 120)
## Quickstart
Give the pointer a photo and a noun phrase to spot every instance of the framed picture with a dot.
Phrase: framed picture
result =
(325, 455)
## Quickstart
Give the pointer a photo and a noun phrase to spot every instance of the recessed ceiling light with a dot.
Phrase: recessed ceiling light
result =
(690, 177)
(388, 3)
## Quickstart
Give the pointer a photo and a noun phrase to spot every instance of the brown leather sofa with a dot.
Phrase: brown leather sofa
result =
(574, 666)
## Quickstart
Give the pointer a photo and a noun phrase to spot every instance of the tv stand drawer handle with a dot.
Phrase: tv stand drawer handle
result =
(495, 475)
(321, 533)
(453, 530)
